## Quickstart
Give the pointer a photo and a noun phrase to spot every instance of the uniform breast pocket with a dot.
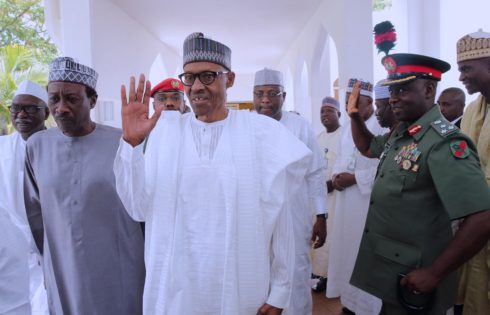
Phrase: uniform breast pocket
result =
(409, 180)
(401, 180)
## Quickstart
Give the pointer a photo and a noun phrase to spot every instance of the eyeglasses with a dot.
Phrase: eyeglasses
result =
(205, 77)
(29, 109)
(163, 98)
(270, 94)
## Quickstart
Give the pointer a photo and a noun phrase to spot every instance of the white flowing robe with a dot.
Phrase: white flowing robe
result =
(14, 270)
(330, 145)
(350, 216)
(12, 157)
(218, 234)
(309, 199)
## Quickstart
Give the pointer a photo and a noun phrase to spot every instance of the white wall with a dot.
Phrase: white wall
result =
(433, 28)
(459, 18)
(100, 34)
(351, 33)
(121, 48)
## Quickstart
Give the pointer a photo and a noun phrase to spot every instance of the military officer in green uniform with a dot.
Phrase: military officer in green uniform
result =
(429, 174)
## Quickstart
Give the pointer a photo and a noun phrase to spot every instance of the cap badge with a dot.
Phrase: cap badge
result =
(389, 64)
(175, 84)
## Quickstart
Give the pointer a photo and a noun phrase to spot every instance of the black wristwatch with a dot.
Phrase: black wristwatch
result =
(323, 215)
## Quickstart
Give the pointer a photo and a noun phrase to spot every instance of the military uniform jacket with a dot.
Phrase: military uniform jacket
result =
(429, 174)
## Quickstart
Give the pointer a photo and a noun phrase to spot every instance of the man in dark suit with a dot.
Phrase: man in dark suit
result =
(452, 102)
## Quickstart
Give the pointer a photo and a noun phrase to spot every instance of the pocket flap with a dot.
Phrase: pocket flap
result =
(398, 252)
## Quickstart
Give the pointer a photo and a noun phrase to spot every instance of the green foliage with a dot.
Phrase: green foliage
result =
(380, 5)
(22, 23)
(17, 63)
(25, 50)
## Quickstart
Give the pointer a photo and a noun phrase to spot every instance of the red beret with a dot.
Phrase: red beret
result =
(169, 84)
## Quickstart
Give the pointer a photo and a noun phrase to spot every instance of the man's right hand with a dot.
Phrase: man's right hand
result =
(343, 180)
(136, 124)
(352, 103)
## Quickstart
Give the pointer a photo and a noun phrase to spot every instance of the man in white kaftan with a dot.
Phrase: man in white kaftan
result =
(211, 187)
(28, 112)
(310, 198)
(329, 142)
(353, 179)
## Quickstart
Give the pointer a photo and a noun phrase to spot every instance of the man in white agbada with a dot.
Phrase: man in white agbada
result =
(329, 142)
(212, 188)
(353, 179)
(28, 113)
(310, 198)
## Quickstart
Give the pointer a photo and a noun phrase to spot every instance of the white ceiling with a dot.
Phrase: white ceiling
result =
(258, 32)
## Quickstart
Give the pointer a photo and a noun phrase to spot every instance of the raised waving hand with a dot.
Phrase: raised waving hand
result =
(136, 124)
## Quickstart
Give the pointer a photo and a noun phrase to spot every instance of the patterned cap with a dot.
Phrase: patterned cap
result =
(331, 102)
(403, 68)
(30, 88)
(65, 69)
(199, 48)
(381, 90)
(268, 76)
(473, 46)
(366, 87)
(168, 85)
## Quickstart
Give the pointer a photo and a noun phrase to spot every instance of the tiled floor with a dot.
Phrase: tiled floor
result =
(324, 306)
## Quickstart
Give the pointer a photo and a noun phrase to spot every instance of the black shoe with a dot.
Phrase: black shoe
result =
(458, 309)
(345, 310)
(320, 285)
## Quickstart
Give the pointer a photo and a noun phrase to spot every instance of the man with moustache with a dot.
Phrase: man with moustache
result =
(28, 113)
(170, 94)
(212, 188)
(408, 254)
(473, 56)
(310, 199)
(92, 251)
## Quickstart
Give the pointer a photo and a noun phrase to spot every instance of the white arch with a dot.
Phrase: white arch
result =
(324, 71)
(157, 71)
(289, 88)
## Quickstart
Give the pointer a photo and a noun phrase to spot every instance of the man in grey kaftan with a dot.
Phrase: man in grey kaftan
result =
(92, 250)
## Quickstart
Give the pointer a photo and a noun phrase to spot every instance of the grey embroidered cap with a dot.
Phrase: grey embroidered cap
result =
(366, 87)
(65, 69)
(268, 76)
(199, 48)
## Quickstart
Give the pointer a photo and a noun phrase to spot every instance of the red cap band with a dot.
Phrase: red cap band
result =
(419, 69)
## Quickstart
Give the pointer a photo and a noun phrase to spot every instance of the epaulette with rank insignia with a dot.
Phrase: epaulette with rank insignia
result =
(444, 127)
